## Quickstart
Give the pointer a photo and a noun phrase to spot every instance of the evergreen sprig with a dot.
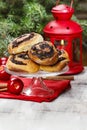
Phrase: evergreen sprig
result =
(21, 16)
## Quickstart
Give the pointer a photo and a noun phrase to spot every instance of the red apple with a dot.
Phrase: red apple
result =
(3, 74)
(15, 86)
(3, 60)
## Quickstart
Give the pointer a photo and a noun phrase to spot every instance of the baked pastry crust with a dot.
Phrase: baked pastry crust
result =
(21, 63)
(24, 42)
(61, 63)
(44, 53)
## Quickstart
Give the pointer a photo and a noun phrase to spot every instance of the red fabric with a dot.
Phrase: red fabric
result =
(58, 87)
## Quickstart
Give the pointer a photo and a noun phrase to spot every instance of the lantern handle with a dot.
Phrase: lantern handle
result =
(57, 2)
(72, 1)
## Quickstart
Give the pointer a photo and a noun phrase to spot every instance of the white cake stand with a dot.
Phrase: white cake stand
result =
(37, 87)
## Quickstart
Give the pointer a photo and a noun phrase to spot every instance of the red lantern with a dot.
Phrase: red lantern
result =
(66, 34)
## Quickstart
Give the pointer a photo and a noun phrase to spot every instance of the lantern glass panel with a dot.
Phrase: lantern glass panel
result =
(47, 38)
(76, 49)
(60, 43)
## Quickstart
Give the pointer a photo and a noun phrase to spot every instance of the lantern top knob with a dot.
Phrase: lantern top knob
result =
(62, 12)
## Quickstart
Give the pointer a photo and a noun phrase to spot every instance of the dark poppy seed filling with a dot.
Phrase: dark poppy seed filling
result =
(42, 50)
(23, 56)
(60, 52)
(21, 39)
(17, 62)
(61, 58)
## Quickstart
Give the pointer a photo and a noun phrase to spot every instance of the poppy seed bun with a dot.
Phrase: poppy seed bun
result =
(44, 53)
(63, 60)
(24, 42)
(21, 63)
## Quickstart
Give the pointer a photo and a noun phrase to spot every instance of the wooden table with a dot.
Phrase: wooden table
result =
(67, 112)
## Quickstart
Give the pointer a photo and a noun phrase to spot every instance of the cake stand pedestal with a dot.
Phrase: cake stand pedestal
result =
(38, 87)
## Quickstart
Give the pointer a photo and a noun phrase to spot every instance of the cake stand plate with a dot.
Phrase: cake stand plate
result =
(37, 87)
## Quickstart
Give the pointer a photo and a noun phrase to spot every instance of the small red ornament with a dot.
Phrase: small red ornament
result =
(3, 74)
(3, 60)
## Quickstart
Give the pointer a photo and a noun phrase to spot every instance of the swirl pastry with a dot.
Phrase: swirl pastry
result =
(44, 53)
(21, 63)
(24, 42)
(61, 63)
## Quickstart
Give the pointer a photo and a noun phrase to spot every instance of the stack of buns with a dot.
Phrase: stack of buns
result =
(31, 53)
